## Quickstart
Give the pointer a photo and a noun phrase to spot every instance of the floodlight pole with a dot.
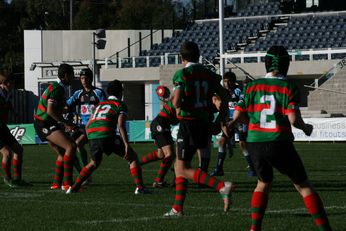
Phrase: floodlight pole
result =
(71, 14)
(221, 37)
(94, 58)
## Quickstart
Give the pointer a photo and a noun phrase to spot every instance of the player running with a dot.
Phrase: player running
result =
(50, 126)
(272, 105)
(160, 129)
(109, 115)
(194, 87)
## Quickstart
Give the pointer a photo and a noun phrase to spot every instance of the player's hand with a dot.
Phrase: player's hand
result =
(126, 151)
(69, 127)
(308, 129)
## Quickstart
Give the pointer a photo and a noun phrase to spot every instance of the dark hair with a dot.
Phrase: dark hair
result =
(88, 73)
(190, 51)
(64, 68)
(114, 87)
(231, 76)
(163, 92)
(277, 59)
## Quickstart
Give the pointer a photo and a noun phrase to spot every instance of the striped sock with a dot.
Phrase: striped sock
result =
(150, 157)
(164, 166)
(6, 167)
(201, 177)
(59, 172)
(68, 168)
(316, 209)
(17, 168)
(180, 193)
(136, 173)
(258, 206)
(83, 175)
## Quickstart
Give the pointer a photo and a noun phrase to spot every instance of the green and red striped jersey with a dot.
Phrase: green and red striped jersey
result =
(104, 120)
(267, 101)
(198, 84)
(5, 106)
(168, 112)
(55, 93)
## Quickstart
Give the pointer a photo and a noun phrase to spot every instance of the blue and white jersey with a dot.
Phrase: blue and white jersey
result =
(85, 101)
(234, 97)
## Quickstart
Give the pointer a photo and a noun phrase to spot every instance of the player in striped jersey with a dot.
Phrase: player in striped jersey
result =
(50, 126)
(160, 129)
(83, 102)
(109, 115)
(271, 104)
(195, 86)
(10, 149)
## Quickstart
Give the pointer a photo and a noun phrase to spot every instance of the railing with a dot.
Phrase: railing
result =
(310, 55)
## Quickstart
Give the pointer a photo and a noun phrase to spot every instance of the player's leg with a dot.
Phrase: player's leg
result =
(59, 166)
(165, 165)
(6, 165)
(17, 163)
(82, 153)
(295, 170)
(259, 203)
(218, 170)
(243, 148)
(314, 205)
(260, 152)
(60, 139)
(204, 155)
(96, 149)
(151, 157)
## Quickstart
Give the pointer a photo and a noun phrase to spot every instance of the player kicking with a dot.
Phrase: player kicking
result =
(50, 126)
(271, 105)
(109, 115)
(194, 87)
(160, 129)
(10, 149)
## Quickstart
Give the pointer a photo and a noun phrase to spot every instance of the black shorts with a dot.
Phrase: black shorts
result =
(44, 129)
(6, 138)
(106, 145)
(192, 135)
(279, 155)
(161, 132)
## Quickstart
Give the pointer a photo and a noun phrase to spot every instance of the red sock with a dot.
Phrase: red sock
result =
(7, 169)
(164, 166)
(68, 168)
(258, 206)
(316, 209)
(201, 177)
(83, 175)
(59, 172)
(180, 193)
(136, 173)
(17, 168)
(150, 157)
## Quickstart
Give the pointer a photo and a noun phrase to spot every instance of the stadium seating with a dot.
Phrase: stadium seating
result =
(256, 34)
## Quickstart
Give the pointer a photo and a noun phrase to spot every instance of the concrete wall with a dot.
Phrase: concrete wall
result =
(333, 101)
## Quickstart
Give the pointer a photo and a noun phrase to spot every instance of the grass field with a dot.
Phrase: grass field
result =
(109, 202)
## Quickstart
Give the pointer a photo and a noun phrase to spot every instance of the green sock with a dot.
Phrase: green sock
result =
(83, 156)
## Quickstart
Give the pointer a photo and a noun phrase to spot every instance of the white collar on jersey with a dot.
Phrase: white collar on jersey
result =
(112, 97)
(270, 75)
(191, 64)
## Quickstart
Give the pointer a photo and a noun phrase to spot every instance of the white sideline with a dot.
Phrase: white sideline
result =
(241, 210)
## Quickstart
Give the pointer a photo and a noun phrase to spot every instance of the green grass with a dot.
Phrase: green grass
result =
(110, 204)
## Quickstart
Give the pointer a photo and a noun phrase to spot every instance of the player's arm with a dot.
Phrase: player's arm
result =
(52, 112)
(123, 133)
(297, 121)
(178, 96)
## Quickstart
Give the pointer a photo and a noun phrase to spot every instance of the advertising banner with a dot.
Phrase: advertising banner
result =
(325, 129)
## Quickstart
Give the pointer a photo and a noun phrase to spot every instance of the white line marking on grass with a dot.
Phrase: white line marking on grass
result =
(239, 210)
(122, 220)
